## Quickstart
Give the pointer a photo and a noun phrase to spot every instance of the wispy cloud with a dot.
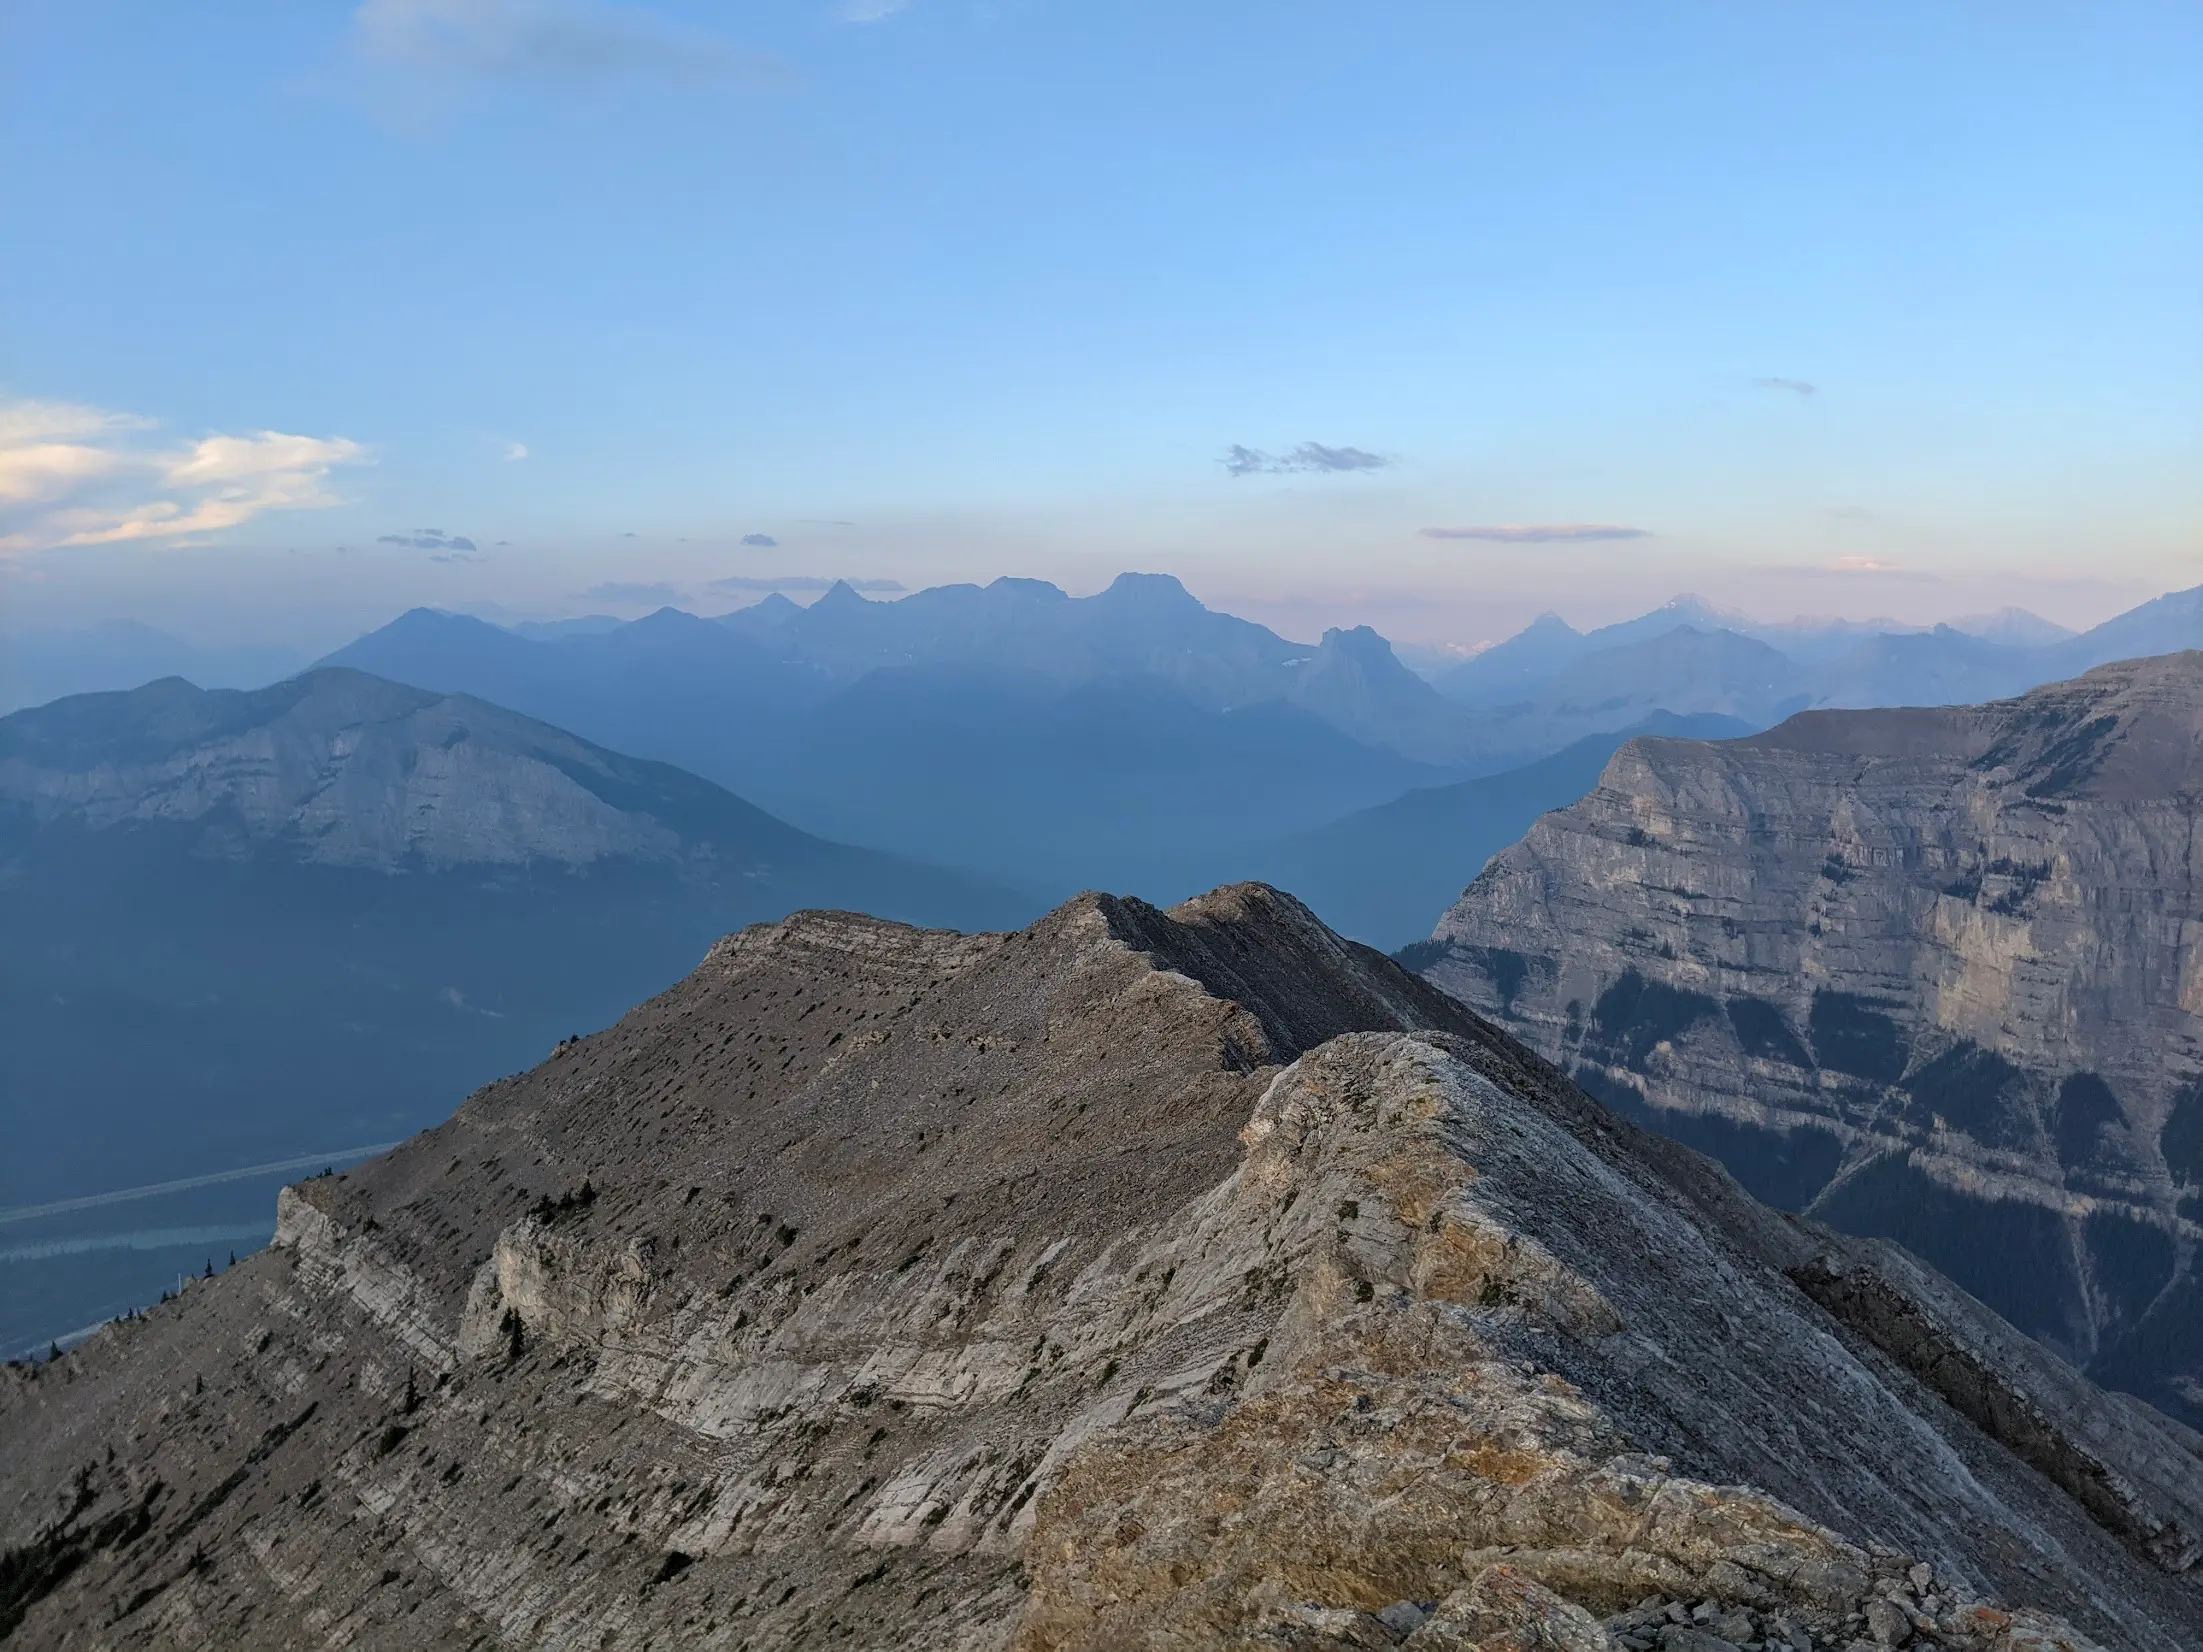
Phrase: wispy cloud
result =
(764, 541)
(428, 539)
(73, 475)
(516, 451)
(425, 56)
(1796, 387)
(49, 449)
(1540, 533)
(800, 582)
(630, 593)
(1857, 568)
(1308, 457)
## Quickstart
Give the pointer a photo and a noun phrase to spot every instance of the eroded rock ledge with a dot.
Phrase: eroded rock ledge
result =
(1168, 1280)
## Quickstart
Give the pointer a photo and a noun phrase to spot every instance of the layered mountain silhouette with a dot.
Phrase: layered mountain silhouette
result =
(240, 925)
(1688, 656)
(1922, 973)
(1133, 738)
(1140, 1279)
(1007, 687)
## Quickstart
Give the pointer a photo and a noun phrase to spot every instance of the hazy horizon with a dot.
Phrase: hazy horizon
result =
(1301, 619)
(1433, 318)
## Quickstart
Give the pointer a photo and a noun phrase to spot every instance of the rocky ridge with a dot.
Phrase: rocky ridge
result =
(1152, 1279)
(1930, 974)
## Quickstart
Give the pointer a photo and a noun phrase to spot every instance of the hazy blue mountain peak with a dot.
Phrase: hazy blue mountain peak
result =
(1040, 592)
(1360, 641)
(1153, 592)
(841, 595)
(2017, 627)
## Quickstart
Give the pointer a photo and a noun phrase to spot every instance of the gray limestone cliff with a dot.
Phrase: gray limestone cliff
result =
(1139, 1279)
(1926, 974)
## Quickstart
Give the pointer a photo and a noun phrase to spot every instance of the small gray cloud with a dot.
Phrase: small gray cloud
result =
(1308, 457)
(800, 582)
(1539, 533)
(1796, 387)
(764, 541)
(632, 592)
(428, 539)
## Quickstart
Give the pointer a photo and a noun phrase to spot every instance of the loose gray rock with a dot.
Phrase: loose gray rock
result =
(883, 1288)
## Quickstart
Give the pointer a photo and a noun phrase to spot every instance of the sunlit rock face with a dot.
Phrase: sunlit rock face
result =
(1929, 974)
(1139, 1279)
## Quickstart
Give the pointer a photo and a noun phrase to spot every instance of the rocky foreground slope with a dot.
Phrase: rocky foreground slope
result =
(1141, 1279)
(1931, 974)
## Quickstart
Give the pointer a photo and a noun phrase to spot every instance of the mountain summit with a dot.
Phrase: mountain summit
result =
(1140, 1279)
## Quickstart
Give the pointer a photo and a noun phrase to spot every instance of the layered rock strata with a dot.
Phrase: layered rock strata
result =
(1141, 1279)
(1927, 974)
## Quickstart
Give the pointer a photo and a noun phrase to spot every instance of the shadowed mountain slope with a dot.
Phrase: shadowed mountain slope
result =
(1138, 1279)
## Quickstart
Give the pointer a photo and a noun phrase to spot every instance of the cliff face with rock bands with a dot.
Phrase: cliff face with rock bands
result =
(1928, 974)
(1141, 1279)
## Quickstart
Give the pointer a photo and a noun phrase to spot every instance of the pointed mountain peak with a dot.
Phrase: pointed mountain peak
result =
(415, 620)
(1690, 606)
(841, 597)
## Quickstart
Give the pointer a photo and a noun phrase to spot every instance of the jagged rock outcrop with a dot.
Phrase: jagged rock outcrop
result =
(1930, 974)
(1141, 1279)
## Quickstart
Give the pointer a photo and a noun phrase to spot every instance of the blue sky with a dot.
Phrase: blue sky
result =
(1870, 308)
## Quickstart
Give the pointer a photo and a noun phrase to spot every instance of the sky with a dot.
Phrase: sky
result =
(1434, 316)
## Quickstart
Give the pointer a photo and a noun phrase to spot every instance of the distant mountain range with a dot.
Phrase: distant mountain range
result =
(236, 926)
(1140, 740)
(1137, 739)
(1132, 738)
(1551, 683)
